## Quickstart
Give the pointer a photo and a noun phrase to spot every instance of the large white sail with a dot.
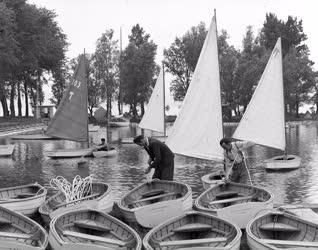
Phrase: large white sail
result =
(198, 127)
(264, 121)
(153, 119)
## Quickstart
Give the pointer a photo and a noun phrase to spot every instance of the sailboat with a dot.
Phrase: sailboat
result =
(6, 150)
(198, 130)
(264, 119)
(154, 117)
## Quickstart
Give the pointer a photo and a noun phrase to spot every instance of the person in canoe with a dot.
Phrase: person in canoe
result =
(235, 164)
(103, 146)
(161, 158)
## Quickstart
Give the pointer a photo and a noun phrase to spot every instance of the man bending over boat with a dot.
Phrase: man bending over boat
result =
(235, 166)
(161, 157)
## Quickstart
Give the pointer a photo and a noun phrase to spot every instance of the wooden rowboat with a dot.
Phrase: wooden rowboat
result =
(101, 198)
(194, 230)
(282, 162)
(24, 199)
(152, 203)
(210, 180)
(6, 150)
(105, 153)
(91, 230)
(18, 232)
(235, 202)
(276, 230)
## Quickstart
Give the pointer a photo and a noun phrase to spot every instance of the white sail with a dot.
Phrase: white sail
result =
(198, 127)
(264, 121)
(153, 119)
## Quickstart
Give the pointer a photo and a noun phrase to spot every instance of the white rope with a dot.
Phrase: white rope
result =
(79, 188)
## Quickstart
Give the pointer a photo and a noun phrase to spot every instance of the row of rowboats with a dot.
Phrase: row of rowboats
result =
(165, 208)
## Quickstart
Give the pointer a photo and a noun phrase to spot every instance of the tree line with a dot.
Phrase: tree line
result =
(33, 48)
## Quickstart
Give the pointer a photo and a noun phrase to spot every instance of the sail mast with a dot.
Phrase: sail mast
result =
(164, 100)
(284, 115)
(87, 96)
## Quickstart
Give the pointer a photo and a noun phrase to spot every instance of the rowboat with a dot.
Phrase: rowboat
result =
(101, 198)
(18, 232)
(152, 203)
(6, 150)
(91, 230)
(194, 230)
(235, 202)
(210, 180)
(105, 153)
(24, 199)
(70, 153)
(283, 162)
(276, 230)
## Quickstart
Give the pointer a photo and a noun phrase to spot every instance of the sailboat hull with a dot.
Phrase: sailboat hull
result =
(210, 180)
(69, 153)
(6, 150)
(282, 162)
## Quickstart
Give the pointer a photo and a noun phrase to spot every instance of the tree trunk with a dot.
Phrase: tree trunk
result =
(142, 105)
(19, 100)
(12, 95)
(26, 99)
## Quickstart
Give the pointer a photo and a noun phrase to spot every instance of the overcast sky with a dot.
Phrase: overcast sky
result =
(84, 21)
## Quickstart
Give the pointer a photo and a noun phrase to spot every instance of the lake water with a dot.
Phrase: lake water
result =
(126, 170)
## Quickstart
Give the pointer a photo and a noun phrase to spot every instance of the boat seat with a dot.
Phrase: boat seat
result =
(191, 242)
(73, 201)
(214, 202)
(226, 194)
(90, 224)
(291, 243)
(152, 193)
(5, 221)
(25, 195)
(193, 227)
(154, 197)
(280, 227)
(94, 238)
(14, 235)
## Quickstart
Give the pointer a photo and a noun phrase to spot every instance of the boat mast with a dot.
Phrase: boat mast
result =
(86, 97)
(285, 152)
(164, 99)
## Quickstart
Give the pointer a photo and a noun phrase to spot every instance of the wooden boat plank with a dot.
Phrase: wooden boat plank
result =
(25, 195)
(70, 202)
(226, 194)
(94, 238)
(14, 235)
(92, 225)
(192, 241)
(4, 221)
(290, 243)
(152, 193)
(281, 227)
(193, 227)
(214, 202)
(154, 197)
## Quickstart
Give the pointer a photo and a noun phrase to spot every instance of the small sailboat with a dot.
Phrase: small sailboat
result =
(20, 232)
(70, 121)
(6, 150)
(25, 199)
(154, 117)
(105, 153)
(91, 230)
(100, 198)
(152, 203)
(235, 202)
(194, 230)
(276, 230)
(264, 119)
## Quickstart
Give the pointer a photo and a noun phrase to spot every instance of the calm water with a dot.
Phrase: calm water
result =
(126, 170)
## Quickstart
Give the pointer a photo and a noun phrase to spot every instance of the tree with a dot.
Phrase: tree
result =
(138, 69)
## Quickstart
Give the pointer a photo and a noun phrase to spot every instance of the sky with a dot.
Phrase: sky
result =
(84, 21)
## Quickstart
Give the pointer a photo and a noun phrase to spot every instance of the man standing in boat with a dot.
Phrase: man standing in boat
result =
(235, 164)
(161, 157)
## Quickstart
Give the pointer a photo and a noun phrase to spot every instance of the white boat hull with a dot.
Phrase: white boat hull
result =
(33, 137)
(104, 153)
(69, 153)
(210, 180)
(6, 150)
(128, 140)
(281, 162)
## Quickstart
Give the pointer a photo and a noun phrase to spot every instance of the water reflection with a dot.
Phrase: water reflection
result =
(126, 170)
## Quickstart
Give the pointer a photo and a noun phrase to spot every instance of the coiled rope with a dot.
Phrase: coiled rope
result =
(79, 188)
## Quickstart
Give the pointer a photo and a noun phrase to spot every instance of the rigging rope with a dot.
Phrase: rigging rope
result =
(79, 188)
